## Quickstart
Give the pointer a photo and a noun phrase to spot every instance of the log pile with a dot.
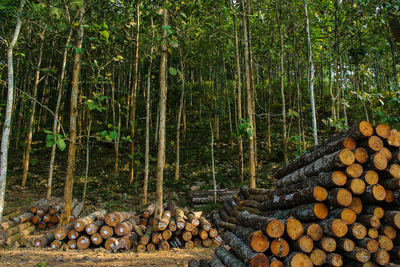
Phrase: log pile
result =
(337, 204)
(43, 214)
(201, 197)
(178, 228)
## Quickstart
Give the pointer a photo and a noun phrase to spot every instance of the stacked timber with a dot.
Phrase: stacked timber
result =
(42, 214)
(178, 228)
(337, 204)
(201, 197)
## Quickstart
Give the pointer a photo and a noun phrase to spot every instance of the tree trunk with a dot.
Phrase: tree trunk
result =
(69, 179)
(28, 140)
(161, 132)
(9, 106)
(178, 125)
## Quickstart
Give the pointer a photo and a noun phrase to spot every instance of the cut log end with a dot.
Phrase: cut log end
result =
(279, 247)
(275, 229)
(356, 205)
(348, 216)
(354, 170)
(381, 257)
(314, 231)
(320, 193)
(346, 156)
(339, 178)
(389, 231)
(373, 233)
(349, 143)
(389, 198)
(388, 155)
(379, 161)
(385, 243)
(366, 128)
(321, 210)
(339, 228)
(383, 130)
(362, 255)
(371, 177)
(328, 244)
(335, 260)
(375, 143)
(356, 186)
(394, 138)
(306, 244)
(344, 197)
(358, 231)
(294, 228)
(259, 260)
(259, 242)
(394, 170)
(379, 192)
(347, 245)
(361, 155)
(300, 259)
(318, 257)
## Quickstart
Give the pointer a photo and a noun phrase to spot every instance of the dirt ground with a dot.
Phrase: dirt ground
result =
(99, 257)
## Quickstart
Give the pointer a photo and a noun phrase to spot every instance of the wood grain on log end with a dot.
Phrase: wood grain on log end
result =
(320, 193)
(259, 242)
(356, 186)
(381, 257)
(385, 243)
(346, 156)
(379, 192)
(305, 244)
(383, 130)
(375, 143)
(96, 239)
(373, 233)
(259, 260)
(394, 138)
(371, 177)
(274, 262)
(334, 259)
(275, 228)
(348, 216)
(394, 170)
(389, 231)
(299, 259)
(345, 244)
(343, 197)
(339, 178)
(279, 247)
(389, 198)
(358, 230)
(361, 155)
(366, 128)
(379, 161)
(83, 242)
(72, 244)
(356, 205)
(294, 228)
(318, 257)
(328, 244)
(388, 155)
(320, 211)
(314, 230)
(354, 170)
(349, 143)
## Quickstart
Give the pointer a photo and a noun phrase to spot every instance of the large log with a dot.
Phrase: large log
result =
(381, 257)
(44, 240)
(106, 231)
(327, 163)
(126, 226)
(304, 213)
(163, 223)
(345, 139)
(296, 259)
(61, 232)
(356, 186)
(371, 177)
(114, 218)
(357, 230)
(385, 243)
(94, 227)
(26, 217)
(254, 239)
(148, 211)
(241, 249)
(228, 258)
(279, 247)
(392, 218)
(372, 144)
(81, 224)
(96, 239)
(305, 196)
(294, 228)
(83, 242)
(271, 226)
(216, 262)
(358, 254)
(318, 257)
(354, 170)
(334, 227)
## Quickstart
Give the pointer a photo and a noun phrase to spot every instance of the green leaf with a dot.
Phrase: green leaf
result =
(166, 27)
(47, 131)
(113, 135)
(105, 33)
(172, 71)
(60, 144)
(78, 50)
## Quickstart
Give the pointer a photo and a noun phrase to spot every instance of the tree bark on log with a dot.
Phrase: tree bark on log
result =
(228, 258)
(44, 240)
(358, 254)
(82, 223)
(304, 213)
(114, 218)
(271, 226)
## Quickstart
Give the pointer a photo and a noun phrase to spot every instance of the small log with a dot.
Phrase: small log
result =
(36, 219)
(295, 259)
(345, 214)
(356, 186)
(163, 223)
(313, 230)
(204, 224)
(371, 177)
(383, 130)
(172, 225)
(327, 244)
(354, 170)
(72, 244)
(279, 247)
(42, 225)
(111, 243)
(392, 218)
(389, 198)
(125, 227)
(55, 218)
(212, 233)
(61, 232)
(294, 228)
(33, 208)
(388, 231)
(167, 234)
(55, 209)
(96, 239)
(193, 218)
(94, 227)
(385, 243)
(334, 227)
(14, 238)
(145, 239)
(388, 154)
(114, 218)
(73, 234)
(216, 262)
(228, 258)
(304, 213)
(44, 240)
(377, 161)
(189, 227)
(394, 138)
(26, 217)
(356, 205)
(106, 231)
(164, 245)
(76, 211)
(81, 224)
(83, 242)
(142, 248)
(151, 247)
(345, 244)
(46, 218)
(381, 257)
(358, 254)
(361, 155)
(56, 244)
(274, 262)
(318, 257)
(373, 194)
(373, 233)
(148, 211)
(374, 210)
(372, 245)
(272, 227)
(339, 197)
(304, 244)
(254, 239)
(357, 230)
(334, 259)
(369, 221)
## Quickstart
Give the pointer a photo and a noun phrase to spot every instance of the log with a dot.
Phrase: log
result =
(356, 205)
(216, 262)
(14, 238)
(164, 245)
(76, 211)
(73, 234)
(394, 138)
(10, 215)
(334, 227)
(203, 234)
(392, 184)
(193, 219)
(279, 247)
(339, 197)
(305, 196)
(345, 214)
(61, 232)
(371, 177)
(114, 218)
(354, 170)
(388, 231)
(385, 243)
(94, 227)
(329, 162)
(145, 239)
(55, 218)
(36, 219)
(327, 244)
(358, 254)
(81, 224)
(389, 198)
(369, 244)
(56, 244)
(346, 139)
(372, 144)
(142, 248)
(393, 171)
(374, 210)
(377, 161)
(245, 253)
(345, 244)
(304, 213)
(304, 244)
(166, 234)
(72, 244)
(369, 221)
(126, 227)
(148, 211)
(373, 233)
(294, 228)
(254, 239)
(7, 224)
(33, 208)
(383, 130)
(373, 194)
(392, 218)
(314, 231)
(271, 226)
(46, 218)
(361, 155)
(42, 225)
(55, 209)
(96, 239)
(111, 243)
(189, 227)
(356, 186)
(334, 259)
(106, 231)
(381, 257)
(163, 223)
(151, 247)
(26, 217)
(126, 243)
(44, 240)
(274, 262)
(318, 257)
(18, 228)
(295, 259)
(83, 242)
(357, 230)
(388, 154)
(204, 224)
(228, 258)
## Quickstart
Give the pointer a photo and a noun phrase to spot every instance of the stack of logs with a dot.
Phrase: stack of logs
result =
(201, 197)
(338, 204)
(178, 228)
(42, 214)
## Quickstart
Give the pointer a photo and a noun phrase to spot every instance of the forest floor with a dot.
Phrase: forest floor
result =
(99, 257)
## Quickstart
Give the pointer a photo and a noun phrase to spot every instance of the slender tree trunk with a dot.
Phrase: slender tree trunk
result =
(213, 163)
(70, 172)
(252, 165)
(285, 142)
(311, 77)
(342, 88)
(133, 94)
(239, 91)
(32, 117)
(178, 126)
(87, 160)
(147, 149)
(163, 107)
(55, 121)
(9, 106)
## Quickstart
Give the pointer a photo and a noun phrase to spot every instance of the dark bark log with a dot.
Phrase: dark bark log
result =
(216, 262)
(358, 254)
(345, 214)
(356, 186)
(327, 244)
(228, 258)
(271, 226)
(339, 197)
(279, 247)
(369, 221)
(369, 244)
(373, 194)
(318, 257)
(385, 243)
(345, 244)
(304, 213)
(381, 257)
